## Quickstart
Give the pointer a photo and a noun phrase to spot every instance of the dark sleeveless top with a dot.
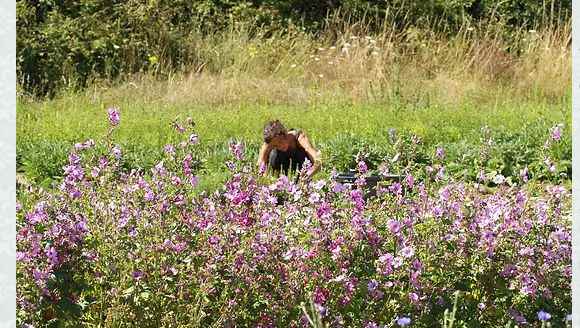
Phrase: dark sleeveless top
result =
(290, 160)
(298, 154)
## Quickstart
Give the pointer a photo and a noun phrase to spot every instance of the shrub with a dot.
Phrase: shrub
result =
(71, 44)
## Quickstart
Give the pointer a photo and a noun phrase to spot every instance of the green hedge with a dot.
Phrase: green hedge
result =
(66, 44)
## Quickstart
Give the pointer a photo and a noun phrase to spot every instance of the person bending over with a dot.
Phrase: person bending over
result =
(286, 150)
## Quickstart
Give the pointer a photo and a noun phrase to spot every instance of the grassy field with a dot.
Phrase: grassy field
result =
(346, 88)
(48, 130)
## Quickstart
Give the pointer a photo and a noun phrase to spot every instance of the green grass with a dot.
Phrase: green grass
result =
(346, 87)
(46, 130)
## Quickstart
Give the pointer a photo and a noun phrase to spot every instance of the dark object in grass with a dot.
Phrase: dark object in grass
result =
(349, 179)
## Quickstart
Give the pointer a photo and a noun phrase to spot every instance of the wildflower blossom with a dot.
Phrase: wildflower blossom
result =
(114, 116)
(544, 316)
(556, 132)
(403, 321)
(440, 153)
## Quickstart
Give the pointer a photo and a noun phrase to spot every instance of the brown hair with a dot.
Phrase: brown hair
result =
(273, 129)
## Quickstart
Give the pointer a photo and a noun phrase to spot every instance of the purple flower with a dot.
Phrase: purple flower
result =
(544, 316)
(407, 252)
(38, 215)
(40, 277)
(498, 179)
(397, 262)
(320, 295)
(372, 285)
(159, 169)
(386, 259)
(319, 184)
(557, 132)
(52, 255)
(178, 127)
(440, 174)
(116, 152)
(394, 226)
(338, 188)
(314, 198)
(440, 153)
(123, 219)
(362, 167)
(114, 116)
(417, 265)
(95, 171)
(403, 321)
(437, 211)
(262, 168)
(82, 226)
(149, 195)
(74, 159)
(137, 275)
(169, 149)
(409, 180)
(321, 309)
(85, 145)
(103, 162)
(371, 324)
(193, 139)
(179, 247)
(194, 181)
(175, 180)
(395, 188)
(20, 256)
(237, 149)
(73, 172)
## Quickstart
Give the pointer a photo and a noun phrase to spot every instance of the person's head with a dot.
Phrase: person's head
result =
(275, 134)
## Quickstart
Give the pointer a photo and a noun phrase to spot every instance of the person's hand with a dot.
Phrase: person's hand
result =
(316, 165)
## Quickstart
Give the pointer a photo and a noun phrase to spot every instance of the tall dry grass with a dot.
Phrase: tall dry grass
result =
(347, 62)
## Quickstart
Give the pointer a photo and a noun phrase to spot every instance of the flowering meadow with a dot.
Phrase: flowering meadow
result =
(109, 247)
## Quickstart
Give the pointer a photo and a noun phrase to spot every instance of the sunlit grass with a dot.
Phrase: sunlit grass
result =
(347, 80)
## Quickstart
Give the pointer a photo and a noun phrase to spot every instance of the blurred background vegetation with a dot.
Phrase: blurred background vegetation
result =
(71, 43)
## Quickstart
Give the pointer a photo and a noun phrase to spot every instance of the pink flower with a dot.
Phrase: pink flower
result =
(114, 116)
(556, 132)
(440, 153)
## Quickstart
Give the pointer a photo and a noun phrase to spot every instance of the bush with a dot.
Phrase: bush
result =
(70, 44)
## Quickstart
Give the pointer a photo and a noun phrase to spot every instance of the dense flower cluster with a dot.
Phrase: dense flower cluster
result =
(110, 246)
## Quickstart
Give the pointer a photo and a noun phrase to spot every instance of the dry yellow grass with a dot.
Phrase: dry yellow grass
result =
(347, 63)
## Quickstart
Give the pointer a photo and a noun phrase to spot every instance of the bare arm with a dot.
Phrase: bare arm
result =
(313, 154)
(264, 154)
